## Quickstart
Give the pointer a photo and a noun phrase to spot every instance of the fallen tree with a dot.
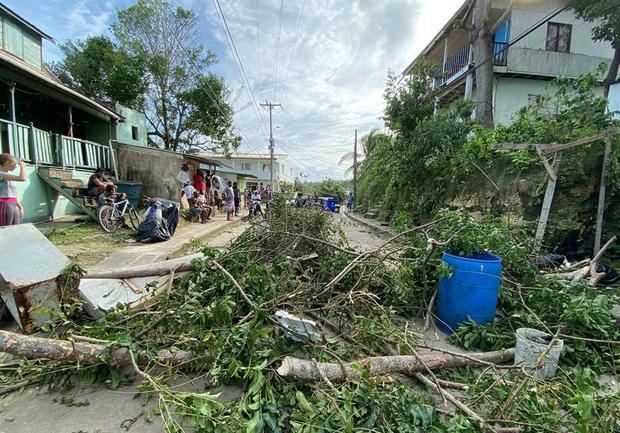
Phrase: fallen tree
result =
(82, 352)
(303, 369)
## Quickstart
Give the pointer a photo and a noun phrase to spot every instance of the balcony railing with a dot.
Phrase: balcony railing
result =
(500, 54)
(458, 64)
(45, 148)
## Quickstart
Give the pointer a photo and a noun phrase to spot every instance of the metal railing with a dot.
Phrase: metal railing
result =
(36, 146)
(458, 64)
(500, 53)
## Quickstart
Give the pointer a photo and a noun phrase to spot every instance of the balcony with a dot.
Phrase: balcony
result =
(40, 147)
(457, 65)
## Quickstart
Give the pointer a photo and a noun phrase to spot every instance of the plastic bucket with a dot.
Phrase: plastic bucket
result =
(528, 352)
(470, 292)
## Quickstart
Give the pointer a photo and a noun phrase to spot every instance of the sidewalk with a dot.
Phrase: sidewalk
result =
(141, 254)
(373, 224)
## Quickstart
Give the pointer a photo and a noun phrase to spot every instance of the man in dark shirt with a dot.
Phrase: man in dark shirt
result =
(97, 183)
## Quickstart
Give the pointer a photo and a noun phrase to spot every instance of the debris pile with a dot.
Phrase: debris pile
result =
(320, 337)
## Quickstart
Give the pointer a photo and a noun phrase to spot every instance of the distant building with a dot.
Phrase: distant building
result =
(561, 46)
(258, 166)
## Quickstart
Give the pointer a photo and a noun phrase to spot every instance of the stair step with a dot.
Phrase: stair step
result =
(370, 215)
(58, 173)
(72, 183)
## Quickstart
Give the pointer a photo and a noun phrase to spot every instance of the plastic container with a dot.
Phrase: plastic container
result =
(132, 189)
(528, 352)
(470, 292)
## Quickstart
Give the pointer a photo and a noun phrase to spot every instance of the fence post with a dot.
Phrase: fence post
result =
(34, 158)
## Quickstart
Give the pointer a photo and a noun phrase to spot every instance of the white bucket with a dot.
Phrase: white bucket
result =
(528, 352)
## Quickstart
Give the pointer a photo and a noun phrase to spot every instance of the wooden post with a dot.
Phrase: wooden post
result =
(355, 169)
(32, 145)
(601, 196)
(546, 207)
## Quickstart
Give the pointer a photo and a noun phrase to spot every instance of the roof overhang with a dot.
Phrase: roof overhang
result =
(239, 173)
(206, 161)
(16, 71)
(26, 23)
(445, 29)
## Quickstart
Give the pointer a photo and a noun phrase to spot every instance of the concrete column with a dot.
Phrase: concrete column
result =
(70, 134)
(13, 145)
(445, 54)
(469, 79)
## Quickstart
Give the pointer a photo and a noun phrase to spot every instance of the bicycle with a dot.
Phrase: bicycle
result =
(111, 215)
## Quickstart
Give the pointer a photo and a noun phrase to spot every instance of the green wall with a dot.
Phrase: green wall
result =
(133, 119)
(40, 201)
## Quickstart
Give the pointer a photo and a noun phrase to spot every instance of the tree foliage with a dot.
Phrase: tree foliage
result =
(183, 105)
(97, 68)
(605, 13)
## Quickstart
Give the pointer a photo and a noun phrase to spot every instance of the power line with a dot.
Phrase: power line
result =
(275, 65)
(257, 41)
(238, 61)
(290, 59)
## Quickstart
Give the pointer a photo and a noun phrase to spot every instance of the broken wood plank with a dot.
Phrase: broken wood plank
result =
(601, 195)
(548, 200)
(303, 369)
(561, 147)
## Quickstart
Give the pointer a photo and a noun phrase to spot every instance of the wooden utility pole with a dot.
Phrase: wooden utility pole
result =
(601, 195)
(355, 168)
(271, 156)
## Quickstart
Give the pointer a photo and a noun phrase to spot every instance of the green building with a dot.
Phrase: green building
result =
(48, 125)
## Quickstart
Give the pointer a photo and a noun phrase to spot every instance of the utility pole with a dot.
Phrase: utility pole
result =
(355, 169)
(271, 157)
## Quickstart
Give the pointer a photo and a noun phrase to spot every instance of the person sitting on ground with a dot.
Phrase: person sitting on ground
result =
(255, 197)
(109, 196)
(229, 195)
(97, 183)
(197, 209)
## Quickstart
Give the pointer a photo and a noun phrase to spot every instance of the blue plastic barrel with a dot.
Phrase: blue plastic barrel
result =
(132, 189)
(469, 292)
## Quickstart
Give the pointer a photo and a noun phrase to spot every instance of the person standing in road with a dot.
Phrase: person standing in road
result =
(350, 201)
(237, 198)
(11, 210)
(229, 195)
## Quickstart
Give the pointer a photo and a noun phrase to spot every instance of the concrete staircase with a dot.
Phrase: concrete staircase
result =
(374, 212)
(62, 181)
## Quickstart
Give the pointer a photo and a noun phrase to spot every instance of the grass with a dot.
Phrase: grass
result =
(86, 244)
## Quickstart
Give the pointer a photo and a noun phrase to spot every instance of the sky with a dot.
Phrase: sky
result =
(324, 61)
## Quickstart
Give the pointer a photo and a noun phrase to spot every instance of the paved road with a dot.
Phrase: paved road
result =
(359, 236)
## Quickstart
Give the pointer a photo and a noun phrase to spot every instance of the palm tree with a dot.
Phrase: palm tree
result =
(368, 143)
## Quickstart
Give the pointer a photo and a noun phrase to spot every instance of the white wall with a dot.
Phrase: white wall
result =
(529, 54)
(512, 94)
(614, 99)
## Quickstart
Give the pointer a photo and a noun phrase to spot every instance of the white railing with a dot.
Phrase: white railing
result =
(41, 147)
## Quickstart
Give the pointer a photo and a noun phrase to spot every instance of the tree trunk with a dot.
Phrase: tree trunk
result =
(482, 41)
(303, 369)
(86, 353)
(612, 75)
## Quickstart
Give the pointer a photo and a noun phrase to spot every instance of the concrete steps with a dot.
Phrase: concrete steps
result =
(374, 212)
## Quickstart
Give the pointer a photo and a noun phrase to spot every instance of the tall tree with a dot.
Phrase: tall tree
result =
(482, 41)
(606, 15)
(96, 68)
(182, 103)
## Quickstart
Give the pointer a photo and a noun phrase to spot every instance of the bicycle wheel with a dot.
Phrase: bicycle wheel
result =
(107, 218)
(134, 219)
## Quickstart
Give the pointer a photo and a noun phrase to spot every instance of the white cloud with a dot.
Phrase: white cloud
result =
(337, 75)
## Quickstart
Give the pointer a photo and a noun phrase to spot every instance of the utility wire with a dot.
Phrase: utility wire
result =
(239, 63)
(275, 66)
(290, 59)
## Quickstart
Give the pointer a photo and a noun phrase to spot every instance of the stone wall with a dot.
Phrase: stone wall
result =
(156, 169)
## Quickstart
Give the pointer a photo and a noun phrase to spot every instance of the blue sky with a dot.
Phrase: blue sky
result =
(331, 62)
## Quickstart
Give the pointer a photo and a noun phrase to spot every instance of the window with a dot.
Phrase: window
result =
(134, 133)
(558, 37)
(246, 166)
